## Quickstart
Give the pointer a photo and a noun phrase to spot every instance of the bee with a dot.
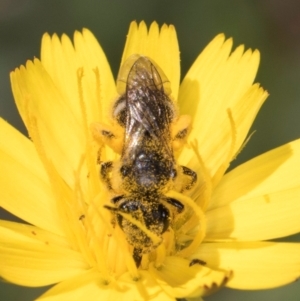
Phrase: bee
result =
(147, 168)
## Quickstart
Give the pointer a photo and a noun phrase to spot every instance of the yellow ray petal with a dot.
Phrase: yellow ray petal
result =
(27, 192)
(274, 171)
(58, 57)
(180, 280)
(98, 82)
(144, 288)
(90, 284)
(215, 84)
(260, 218)
(255, 265)
(78, 288)
(59, 133)
(62, 62)
(39, 263)
(160, 45)
(11, 232)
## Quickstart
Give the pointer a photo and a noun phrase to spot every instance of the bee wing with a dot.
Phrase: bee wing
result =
(149, 109)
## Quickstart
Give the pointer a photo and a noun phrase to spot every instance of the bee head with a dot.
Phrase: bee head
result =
(151, 214)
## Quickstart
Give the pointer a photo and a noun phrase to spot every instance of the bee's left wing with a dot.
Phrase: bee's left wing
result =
(149, 109)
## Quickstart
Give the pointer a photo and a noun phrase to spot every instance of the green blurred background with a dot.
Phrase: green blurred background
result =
(272, 26)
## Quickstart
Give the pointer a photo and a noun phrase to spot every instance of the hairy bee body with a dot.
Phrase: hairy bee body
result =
(147, 168)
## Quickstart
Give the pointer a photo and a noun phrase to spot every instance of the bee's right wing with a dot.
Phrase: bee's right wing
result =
(149, 109)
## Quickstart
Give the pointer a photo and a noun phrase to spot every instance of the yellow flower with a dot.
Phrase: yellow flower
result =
(52, 181)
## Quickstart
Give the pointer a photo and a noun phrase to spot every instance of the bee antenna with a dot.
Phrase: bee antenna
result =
(111, 208)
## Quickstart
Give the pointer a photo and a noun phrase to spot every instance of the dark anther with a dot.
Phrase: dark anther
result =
(188, 172)
(182, 134)
(197, 261)
(107, 134)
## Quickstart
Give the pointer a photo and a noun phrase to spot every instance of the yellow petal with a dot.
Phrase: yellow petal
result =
(274, 171)
(26, 190)
(217, 91)
(11, 232)
(59, 133)
(255, 265)
(78, 288)
(160, 45)
(59, 60)
(98, 96)
(62, 61)
(144, 288)
(180, 280)
(39, 263)
(268, 187)
(90, 284)
(259, 218)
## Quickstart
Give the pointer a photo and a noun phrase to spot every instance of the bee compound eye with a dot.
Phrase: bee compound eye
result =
(160, 217)
(163, 212)
(129, 206)
(165, 218)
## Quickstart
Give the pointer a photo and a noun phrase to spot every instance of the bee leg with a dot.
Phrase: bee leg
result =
(105, 168)
(188, 172)
(137, 256)
(111, 135)
(180, 130)
(176, 204)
